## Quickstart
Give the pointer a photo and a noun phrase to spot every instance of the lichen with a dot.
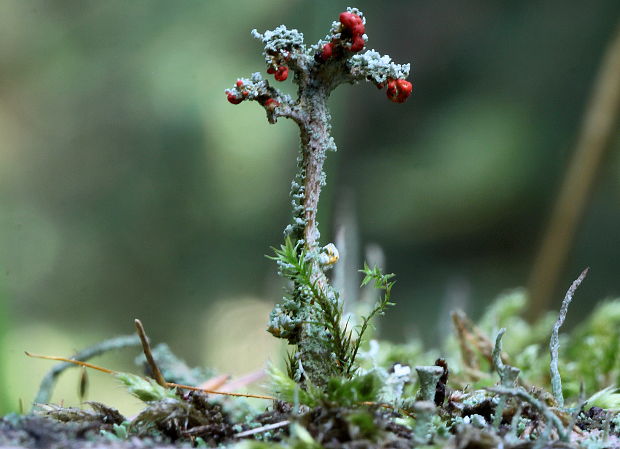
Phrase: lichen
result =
(309, 316)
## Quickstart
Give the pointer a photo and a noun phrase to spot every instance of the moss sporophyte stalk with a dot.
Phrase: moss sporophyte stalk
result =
(310, 315)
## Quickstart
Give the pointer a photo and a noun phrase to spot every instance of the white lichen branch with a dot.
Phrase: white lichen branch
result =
(554, 343)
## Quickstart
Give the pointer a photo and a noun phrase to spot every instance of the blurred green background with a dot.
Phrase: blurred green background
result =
(130, 187)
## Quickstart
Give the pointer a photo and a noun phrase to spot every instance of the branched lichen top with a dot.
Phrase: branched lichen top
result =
(309, 317)
(323, 66)
(380, 68)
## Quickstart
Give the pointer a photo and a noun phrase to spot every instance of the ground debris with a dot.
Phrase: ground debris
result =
(192, 415)
(100, 413)
(341, 427)
(42, 432)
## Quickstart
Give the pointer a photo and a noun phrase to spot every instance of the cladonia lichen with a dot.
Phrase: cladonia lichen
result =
(310, 314)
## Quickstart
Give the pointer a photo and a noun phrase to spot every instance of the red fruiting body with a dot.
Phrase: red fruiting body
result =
(239, 83)
(391, 88)
(345, 18)
(232, 98)
(270, 103)
(404, 87)
(349, 20)
(354, 28)
(327, 51)
(399, 90)
(281, 73)
(271, 70)
(359, 28)
(245, 93)
(358, 44)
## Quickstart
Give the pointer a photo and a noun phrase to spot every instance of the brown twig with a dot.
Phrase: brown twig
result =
(73, 361)
(467, 354)
(146, 347)
(224, 393)
(166, 384)
(472, 338)
(597, 132)
(49, 380)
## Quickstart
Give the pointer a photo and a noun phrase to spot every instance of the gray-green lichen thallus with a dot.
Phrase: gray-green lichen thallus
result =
(303, 317)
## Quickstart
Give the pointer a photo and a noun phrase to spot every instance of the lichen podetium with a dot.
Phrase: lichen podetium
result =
(309, 316)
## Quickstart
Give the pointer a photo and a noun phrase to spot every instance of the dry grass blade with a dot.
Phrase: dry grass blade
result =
(598, 128)
(146, 347)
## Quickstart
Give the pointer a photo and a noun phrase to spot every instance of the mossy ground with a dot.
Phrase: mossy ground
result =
(381, 406)
(333, 427)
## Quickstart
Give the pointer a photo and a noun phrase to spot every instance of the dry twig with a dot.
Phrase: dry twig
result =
(146, 347)
(598, 129)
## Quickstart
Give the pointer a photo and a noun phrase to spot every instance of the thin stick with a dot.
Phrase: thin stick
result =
(47, 383)
(72, 361)
(467, 354)
(146, 347)
(226, 393)
(262, 429)
(166, 385)
(554, 343)
(598, 129)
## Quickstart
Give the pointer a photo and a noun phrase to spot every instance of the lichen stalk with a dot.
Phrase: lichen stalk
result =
(424, 411)
(507, 375)
(554, 343)
(548, 414)
(309, 317)
(315, 136)
(429, 376)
